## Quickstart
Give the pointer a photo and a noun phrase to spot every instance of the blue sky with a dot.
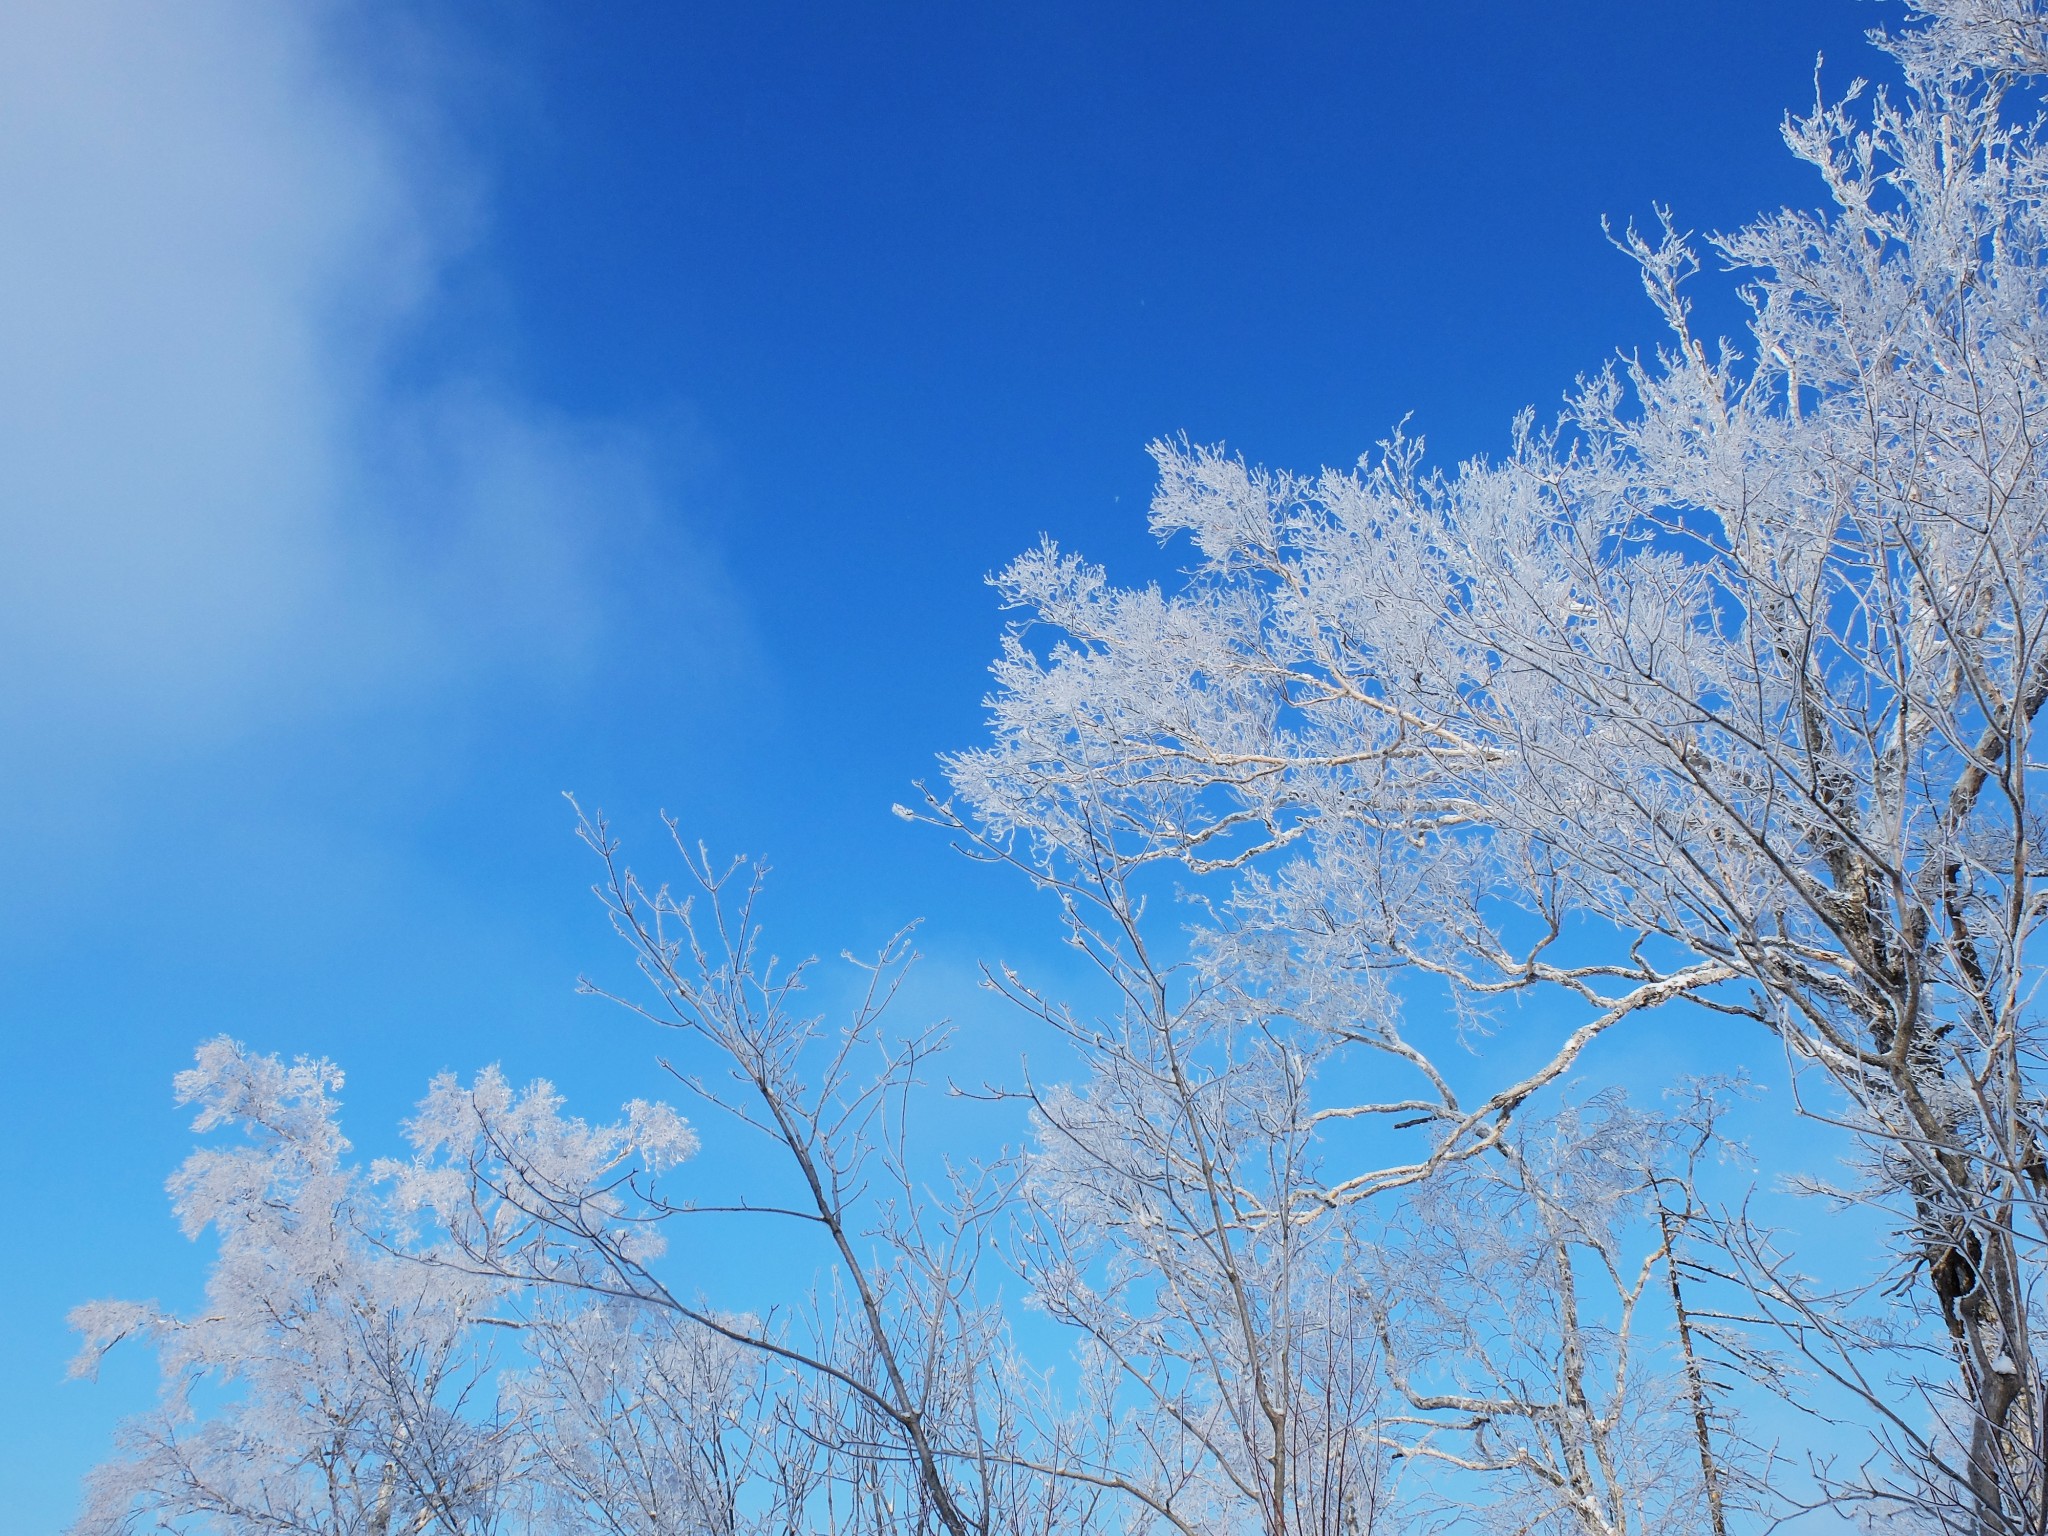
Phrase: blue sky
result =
(410, 412)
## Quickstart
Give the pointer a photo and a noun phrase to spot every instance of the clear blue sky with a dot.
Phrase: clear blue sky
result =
(409, 412)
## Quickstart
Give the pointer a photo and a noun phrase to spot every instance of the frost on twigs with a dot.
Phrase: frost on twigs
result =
(344, 1374)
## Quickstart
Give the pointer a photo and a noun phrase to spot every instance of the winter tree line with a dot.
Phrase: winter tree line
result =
(1705, 710)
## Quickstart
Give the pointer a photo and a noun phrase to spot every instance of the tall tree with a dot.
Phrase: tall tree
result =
(1739, 663)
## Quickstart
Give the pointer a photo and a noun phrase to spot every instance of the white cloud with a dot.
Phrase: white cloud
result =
(214, 503)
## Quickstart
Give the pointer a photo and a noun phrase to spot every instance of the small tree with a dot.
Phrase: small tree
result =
(328, 1385)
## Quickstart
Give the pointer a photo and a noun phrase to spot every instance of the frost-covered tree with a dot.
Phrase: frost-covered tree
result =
(1165, 1216)
(1738, 665)
(1276, 1360)
(639, 1423)
(1509, 1295)
(344, 1378)
(326, 1385)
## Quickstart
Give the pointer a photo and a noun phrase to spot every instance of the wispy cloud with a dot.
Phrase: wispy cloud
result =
(217, 502)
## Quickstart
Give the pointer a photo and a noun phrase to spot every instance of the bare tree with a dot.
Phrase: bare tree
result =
(895, 1343)
(1168, 1215)
(639, 1423)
